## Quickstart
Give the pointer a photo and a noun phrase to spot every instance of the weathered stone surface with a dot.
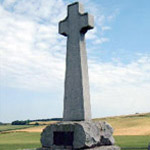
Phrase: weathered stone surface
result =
(77, 98)
(85, 134)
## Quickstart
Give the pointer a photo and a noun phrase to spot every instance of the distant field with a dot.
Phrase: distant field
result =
(13, 127)
(43, 122)
(26, 128)
(138, 124)
(32, 129)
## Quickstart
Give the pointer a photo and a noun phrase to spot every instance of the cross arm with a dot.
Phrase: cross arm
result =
(63, 27)
(87, 22)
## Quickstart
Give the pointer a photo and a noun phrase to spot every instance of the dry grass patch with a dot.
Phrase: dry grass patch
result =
(38, 128)
(138, 124)
(43, 122)
(32, 129)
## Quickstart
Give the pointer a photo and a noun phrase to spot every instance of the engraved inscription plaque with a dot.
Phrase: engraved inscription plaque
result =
(63, 138)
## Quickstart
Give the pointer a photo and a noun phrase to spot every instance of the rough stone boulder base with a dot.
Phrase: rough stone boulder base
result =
(86, 134)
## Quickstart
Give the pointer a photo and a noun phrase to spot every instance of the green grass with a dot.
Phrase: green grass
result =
(13, 127)
(19, 140)
(22, 140)
(132, 141)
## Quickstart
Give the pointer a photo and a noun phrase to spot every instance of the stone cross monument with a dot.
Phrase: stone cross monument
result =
(77, 131)
(77, 98)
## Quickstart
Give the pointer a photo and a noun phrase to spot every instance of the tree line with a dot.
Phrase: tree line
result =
(26, 122)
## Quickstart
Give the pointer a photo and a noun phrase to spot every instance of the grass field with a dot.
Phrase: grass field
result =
(13, 127)
(138, 124)
(22, 140)
(19, 140)
(132, 141)
(130, 131)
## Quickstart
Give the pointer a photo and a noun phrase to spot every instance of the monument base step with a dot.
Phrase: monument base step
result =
(112, 147)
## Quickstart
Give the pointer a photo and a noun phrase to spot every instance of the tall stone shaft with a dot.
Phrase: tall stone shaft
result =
(76, 97)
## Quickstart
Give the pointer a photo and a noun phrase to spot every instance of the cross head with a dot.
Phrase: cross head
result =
(76, 21)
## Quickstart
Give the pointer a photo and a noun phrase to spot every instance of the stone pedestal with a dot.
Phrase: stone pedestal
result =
(78, 135)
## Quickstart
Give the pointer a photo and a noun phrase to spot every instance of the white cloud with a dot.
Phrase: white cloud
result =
(120, 89)
(7, 3)
(101, 40)
(92, 34)
(106, 28)
(30, 54)
(113, 15)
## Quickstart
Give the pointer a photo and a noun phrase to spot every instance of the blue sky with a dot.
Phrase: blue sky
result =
(32, 58)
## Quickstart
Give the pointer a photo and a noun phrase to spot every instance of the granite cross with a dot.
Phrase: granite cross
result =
(76, 98)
